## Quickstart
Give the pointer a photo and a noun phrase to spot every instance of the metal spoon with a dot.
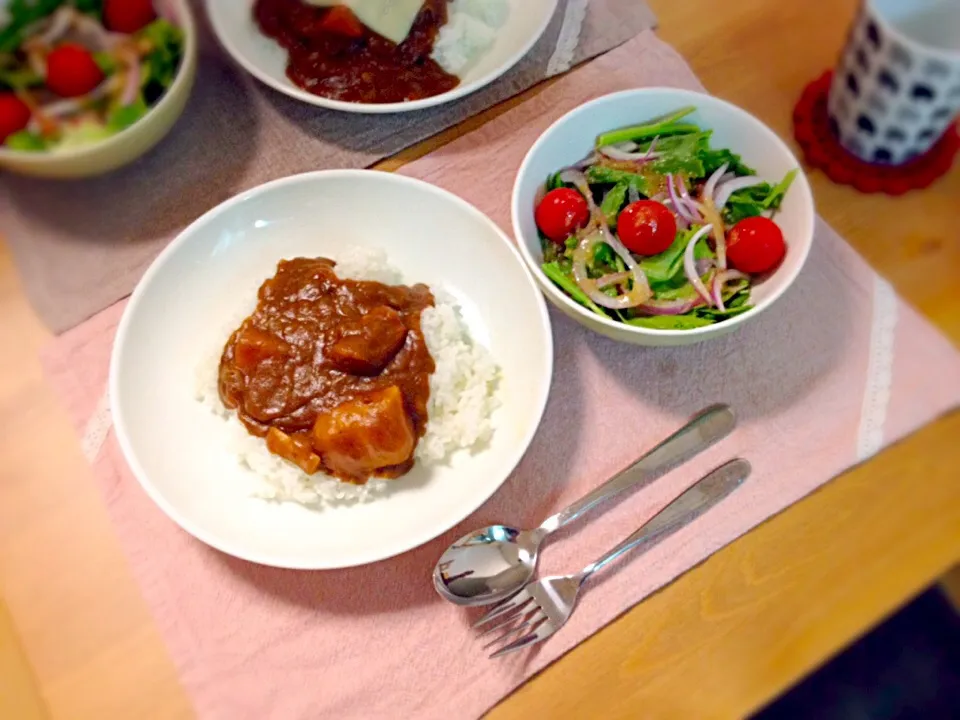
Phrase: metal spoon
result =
(491, 564)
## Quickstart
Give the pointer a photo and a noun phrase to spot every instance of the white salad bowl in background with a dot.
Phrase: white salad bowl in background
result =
(572, 138)
(263, 58)
(126, 146)
(206, 280)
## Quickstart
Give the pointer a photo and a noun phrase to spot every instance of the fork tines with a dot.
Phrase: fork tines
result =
(512, 616)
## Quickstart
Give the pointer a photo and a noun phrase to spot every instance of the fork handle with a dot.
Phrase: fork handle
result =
(707, 428)
(686, 508)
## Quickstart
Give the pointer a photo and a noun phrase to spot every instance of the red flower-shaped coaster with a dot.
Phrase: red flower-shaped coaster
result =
(822, 150)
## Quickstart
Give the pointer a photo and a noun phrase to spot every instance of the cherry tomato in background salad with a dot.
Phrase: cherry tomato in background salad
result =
(755, 245)
(561, 213)
(647, 227)
(72, 71)
(128, 16)
(14, 115)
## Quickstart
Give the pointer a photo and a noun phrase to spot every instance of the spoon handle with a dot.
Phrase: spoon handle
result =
(710, 426)
(684, 509)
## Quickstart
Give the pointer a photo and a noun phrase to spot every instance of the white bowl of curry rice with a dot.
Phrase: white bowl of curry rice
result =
(301, 382)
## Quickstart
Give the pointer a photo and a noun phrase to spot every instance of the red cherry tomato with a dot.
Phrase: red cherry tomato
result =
(755, 245)
(561, 213)
(14, 115)
(128, 16)
(340, 20)
(72, 71)
(647, 227)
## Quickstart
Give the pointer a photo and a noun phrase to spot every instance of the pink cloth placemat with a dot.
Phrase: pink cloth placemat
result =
(81, 246)
(839, 368)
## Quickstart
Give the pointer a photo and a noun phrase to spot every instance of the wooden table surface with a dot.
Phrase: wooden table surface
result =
(720, 642)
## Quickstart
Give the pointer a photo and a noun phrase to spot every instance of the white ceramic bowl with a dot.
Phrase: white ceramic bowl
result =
(128, 145)
(572, 138)
(263, 58)
(207, 278)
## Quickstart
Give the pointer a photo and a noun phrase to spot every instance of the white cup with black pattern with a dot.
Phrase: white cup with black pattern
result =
(896, 89)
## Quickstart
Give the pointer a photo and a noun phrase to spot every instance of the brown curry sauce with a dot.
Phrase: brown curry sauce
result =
(364, 69)
(333, 373)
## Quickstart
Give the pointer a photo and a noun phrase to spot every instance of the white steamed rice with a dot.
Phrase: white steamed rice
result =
(470, 32)
(463, 396)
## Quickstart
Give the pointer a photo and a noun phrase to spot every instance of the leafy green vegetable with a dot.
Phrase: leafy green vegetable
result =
(753, 201)
(19, 78)
(776, 195)
(23, 13)
(662, 126)
(682, 154)
(160, 65)
(603, 254)
(106, 62)
(664, 269)
(613, 201)
(670, 322)
(26, 142)
(714, 159)
(123, 117)
(85, 133)
(554, 182)
(600, 175)
(566, 283)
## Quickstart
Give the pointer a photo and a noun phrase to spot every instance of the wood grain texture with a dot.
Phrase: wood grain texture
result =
(719, 642)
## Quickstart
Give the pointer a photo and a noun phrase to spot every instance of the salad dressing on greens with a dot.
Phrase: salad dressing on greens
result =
(657, 228)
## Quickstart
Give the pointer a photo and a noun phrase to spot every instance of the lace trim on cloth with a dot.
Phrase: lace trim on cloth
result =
(879, 370)
(562, 59)
(97, 428)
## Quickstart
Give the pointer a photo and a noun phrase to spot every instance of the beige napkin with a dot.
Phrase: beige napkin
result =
(80, 246)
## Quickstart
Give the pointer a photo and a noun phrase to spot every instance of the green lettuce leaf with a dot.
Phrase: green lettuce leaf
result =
(565, 282)
(613, 201)
(26, 142)
(670, 322)
(121, 118)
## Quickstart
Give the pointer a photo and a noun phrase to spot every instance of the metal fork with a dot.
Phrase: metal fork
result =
(542, 607)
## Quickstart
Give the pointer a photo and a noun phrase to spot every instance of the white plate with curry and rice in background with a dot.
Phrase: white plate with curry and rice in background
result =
(379, 56)
(330, 369)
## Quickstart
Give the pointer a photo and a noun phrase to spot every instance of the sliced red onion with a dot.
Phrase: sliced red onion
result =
(131, 85)
(703, 266)
(591, 159)
(721, 279)
(653, 144)
(60, 23)
(725, 190)
(682, 222)
(37, 62)
(167, 9)
(690, 203)
(689, 265)
(615, 153)
(612, 279)
(679, 206)
(670, 307)
(711, 185)
(95, 35)
(633, 195)
(590, 286)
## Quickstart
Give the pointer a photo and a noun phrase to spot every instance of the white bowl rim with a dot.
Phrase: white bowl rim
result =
(801, 182)
(189, 26)
(161, 260)
(461, 91)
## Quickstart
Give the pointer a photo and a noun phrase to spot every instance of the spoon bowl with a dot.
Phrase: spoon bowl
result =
(487, 565)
